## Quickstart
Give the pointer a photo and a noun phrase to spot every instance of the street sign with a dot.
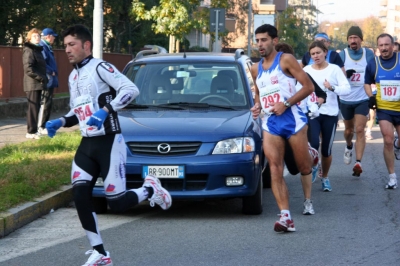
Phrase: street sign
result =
(262, 19)
(217, 13)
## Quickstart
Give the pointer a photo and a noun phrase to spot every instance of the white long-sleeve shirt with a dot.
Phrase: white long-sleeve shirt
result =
(335, 76)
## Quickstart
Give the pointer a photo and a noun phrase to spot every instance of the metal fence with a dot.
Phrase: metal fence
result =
(12, 75)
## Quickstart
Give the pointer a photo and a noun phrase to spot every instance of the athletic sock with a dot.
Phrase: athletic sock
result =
(286, 212)
(100, 249)
(350, 147)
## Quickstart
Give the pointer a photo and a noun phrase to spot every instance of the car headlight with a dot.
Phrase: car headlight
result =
(236, 145)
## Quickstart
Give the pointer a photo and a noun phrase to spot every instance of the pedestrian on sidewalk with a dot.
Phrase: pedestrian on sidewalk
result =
(47, 40)
(35, 80)
(97, 91)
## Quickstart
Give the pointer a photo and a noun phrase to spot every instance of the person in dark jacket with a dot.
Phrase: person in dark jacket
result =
(35, 80)
(48, 37)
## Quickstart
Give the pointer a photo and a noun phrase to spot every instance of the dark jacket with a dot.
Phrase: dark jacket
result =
(51, 65)
(34, 67)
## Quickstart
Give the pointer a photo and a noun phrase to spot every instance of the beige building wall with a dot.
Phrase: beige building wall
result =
(389, 16)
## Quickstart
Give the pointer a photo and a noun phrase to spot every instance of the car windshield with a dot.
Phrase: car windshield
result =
(215, 84)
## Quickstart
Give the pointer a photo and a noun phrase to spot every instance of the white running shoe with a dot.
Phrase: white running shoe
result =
(42, 131)
(308, 207)
(392, 184)
(97, 259)
(160, 196)
(347, 155)
(32, 136)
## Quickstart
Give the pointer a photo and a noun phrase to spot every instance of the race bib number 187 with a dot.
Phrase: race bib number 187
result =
(390, 90)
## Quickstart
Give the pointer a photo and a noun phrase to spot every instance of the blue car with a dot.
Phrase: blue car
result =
(191, 126)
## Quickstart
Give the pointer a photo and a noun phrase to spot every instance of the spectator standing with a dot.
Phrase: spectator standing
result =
(384, 72)
(354, 106)
(35, 80)
(47, 40)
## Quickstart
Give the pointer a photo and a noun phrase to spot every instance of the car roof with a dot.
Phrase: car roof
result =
(182, 57)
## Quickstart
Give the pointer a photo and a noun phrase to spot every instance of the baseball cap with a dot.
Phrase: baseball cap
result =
(48, 31)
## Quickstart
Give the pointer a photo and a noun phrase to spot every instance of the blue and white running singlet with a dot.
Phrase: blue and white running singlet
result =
(274, 86)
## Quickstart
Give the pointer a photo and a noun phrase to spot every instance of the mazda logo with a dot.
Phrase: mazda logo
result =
(164, 148)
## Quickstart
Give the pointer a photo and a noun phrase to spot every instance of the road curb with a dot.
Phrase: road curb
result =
(21, 215)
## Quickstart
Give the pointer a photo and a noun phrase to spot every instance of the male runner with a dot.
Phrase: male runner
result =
(384, 71)
(97, 91)
(354, 106)
(275, 77)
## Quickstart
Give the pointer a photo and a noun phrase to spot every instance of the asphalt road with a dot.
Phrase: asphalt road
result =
(355, 224)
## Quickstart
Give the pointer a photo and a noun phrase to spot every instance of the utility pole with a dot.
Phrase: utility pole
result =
(250, 20)
(98, 29)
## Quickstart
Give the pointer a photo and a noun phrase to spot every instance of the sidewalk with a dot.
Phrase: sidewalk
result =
(12, 131)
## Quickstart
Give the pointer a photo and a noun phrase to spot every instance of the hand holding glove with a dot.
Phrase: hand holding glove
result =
(372, 102)
(52, 126)
(350, 73)
(313, 111)
(97, 119)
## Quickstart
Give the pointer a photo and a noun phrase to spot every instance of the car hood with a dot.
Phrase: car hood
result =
(184, 125)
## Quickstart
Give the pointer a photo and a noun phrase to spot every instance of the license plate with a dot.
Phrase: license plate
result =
(164, 171)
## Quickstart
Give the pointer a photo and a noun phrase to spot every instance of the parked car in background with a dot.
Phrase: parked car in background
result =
(191, 126)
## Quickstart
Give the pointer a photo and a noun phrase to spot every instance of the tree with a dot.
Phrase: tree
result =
(294, 30)
(371, 28)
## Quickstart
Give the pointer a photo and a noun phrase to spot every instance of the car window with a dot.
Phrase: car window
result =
(213, 83)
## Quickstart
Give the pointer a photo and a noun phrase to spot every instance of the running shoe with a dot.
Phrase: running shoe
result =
(326, 184)
(392, 184)
(357, 169)
(284, 224)
(396, 149)
(42, 131)
(368, 136)
(308, 207)
(32, 136)
(347, 155)
(97, 259)
(160, 196)
(314, 154)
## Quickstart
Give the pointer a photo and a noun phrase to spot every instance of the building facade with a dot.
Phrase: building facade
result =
(389, 16)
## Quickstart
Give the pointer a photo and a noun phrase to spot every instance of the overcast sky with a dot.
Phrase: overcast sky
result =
(347, 9)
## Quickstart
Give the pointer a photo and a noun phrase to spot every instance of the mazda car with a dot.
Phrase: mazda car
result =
(191, 126)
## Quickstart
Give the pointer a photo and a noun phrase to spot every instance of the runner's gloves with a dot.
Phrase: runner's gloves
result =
(372, 102)
(313, 111)
(52, 126)
(97, 119)
(350, 72)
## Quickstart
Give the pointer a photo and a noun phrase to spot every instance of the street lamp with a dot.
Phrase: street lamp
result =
(334, 36)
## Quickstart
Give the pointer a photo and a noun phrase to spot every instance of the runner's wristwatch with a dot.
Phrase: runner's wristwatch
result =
(287, 104)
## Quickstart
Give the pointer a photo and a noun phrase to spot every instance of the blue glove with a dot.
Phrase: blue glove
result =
(97, 119)
(52, 126)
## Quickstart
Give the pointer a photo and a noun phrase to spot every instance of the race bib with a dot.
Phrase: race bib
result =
(357, 79)
(390, 90)
(83, 109)
(268, 95)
